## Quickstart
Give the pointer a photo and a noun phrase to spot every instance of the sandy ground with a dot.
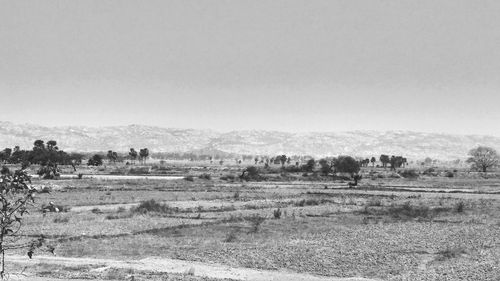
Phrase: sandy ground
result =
(164, 265)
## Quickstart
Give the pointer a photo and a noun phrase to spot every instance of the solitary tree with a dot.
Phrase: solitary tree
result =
(112, 156)
(143, 154)
(282, 159)
(38, 144)
(326, 168)
(52, 145)
(347, 164)
(483, 158)
(133, 154)
(96, 160)
(309, 166)
(385, 160)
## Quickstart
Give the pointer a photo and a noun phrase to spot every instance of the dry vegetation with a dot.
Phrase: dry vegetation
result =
(393, 226)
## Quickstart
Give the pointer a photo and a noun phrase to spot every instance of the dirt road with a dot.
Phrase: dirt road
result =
(163, 265)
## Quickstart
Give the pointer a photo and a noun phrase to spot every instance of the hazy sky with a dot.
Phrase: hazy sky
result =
(286, 65)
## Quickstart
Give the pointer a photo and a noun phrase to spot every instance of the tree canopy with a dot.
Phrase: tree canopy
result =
(483, 158)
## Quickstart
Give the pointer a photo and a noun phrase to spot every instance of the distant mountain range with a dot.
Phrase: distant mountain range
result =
(413, 145)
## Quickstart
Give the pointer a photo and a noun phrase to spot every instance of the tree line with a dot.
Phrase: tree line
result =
(42, 153)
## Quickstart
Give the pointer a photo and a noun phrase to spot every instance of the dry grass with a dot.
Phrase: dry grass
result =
(368, 231)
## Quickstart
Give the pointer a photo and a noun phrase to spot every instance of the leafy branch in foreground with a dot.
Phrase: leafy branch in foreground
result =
(16, 195)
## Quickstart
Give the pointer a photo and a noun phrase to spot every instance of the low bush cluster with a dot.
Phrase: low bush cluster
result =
(409, 174)
(151, 206)
(205, 176)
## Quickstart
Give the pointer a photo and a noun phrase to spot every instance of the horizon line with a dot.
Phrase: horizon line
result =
(248, 130)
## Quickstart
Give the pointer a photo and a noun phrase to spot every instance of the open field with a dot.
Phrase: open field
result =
(285, 227)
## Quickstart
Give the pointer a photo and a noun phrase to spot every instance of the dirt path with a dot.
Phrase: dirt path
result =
(164, 265)
(189, 204)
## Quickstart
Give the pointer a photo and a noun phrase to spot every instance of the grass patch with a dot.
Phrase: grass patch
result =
(450, 253)
(61, 220)
(405, 212)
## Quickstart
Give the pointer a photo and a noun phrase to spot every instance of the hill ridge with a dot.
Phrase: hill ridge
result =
(415, 145)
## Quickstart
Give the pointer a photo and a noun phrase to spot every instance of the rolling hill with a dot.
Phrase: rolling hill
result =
(414, 145)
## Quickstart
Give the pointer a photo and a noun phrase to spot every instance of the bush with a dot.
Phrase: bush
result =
(236, 195)
(309, 166)
(139, 171)
(409, 211)
(205, 176)
(459, 207)
(95, 160)
(409, 174)
(277, 213)
(255, 222)
(231, 237)
(189, 178)
(449, 174)
(308, 202)
(251, 173)
(228, 177)
(61, 219)
(430, 172)
(151, 206)
(450, 253)
(291, 169)
(374, 202)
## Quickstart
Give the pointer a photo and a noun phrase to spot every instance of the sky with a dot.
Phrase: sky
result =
(287, 65)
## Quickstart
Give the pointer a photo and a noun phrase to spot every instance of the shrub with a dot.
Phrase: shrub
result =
(151, 206)
(189, 178)
(139, 171)
(228, 177)
(255, 222)
(374, 202)
(409, 211)
(112, 217)
(277, 213)
(430, 172)
(450, 253)
(291, 169)
(236, 195)
(61, 219)
(231, 237)
(449, 174)
(309, 166)
(205, 176)
(409, 174)
(251, 173)
(307, 202)
(459, 207)
(95, 160)
(96, 211)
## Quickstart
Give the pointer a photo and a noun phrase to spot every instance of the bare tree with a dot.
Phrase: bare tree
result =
(483, 158)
